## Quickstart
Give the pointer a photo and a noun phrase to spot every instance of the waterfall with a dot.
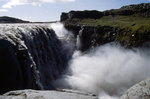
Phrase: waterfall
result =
(107, 70)
(38, 55)
(78, 43)
(43, 56)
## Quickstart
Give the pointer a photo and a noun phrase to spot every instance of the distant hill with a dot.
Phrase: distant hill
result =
(6, 19)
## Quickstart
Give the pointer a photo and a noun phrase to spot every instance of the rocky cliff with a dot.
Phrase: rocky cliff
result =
(98, 35)
(128, 26)
(142, 9)
(81, 14)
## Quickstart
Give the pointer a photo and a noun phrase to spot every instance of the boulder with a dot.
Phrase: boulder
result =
(138, 91)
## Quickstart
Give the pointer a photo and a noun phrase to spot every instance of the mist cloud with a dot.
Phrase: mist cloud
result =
(3, 10)
(107, 71)
(12, 3)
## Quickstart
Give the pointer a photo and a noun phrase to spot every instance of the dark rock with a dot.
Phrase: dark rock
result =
(86, 35)
(64, 16)
(81, 15)
(73, 28)
(141, 9)
(10, 70)
(98, 35)
(94, 35)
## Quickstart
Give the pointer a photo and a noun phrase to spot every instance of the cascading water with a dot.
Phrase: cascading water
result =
(35, 55)
(107, 71)
(78, 41)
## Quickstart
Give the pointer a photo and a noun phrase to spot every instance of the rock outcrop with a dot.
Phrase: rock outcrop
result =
(81, 14)
(91, 36)
(142, 9)
(61, 94)
(132, 35)
(138, 91)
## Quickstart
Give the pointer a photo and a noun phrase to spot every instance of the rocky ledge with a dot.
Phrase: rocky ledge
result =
(59, 94)
(138, 91)
(142, 9)
(128, 26)
(98, 35)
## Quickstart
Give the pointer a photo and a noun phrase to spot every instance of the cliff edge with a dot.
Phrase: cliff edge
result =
(128, 26)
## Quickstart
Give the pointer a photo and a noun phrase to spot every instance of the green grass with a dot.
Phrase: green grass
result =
(133, 29)
(132, 22)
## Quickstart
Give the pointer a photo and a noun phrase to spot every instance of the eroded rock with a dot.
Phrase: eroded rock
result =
(61, 94)
(138, 91)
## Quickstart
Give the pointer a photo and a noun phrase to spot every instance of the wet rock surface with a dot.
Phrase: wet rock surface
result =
(60, 94)
(31, 56)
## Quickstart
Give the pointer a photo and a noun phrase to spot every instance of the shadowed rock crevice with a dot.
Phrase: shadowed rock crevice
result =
(10, 69)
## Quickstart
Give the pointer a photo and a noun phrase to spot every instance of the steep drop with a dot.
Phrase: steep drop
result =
(31, 56)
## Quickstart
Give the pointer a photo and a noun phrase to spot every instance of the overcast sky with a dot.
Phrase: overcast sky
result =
(50, 10)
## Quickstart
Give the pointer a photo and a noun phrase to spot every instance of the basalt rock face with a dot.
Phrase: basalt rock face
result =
(143, 8)
(86, 35)
(97, 34)
(91, 36)
(81, 14)
(73, 28)
(31, 56)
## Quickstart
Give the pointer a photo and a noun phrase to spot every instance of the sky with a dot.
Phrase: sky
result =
(50, 10)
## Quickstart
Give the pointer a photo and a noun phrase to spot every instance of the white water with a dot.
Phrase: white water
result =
(59, 29)
(48, 53)
(108, 71)
(78, 43)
